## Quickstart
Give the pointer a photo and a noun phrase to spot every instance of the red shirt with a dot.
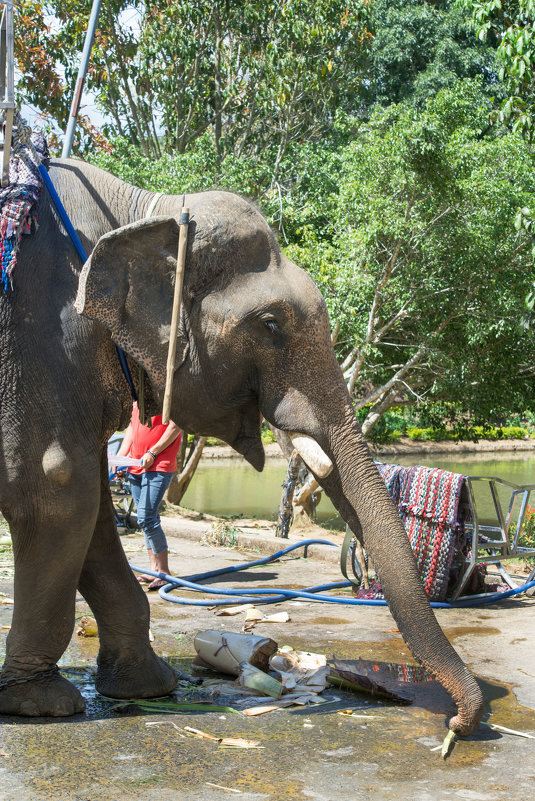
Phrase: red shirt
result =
(143, 439)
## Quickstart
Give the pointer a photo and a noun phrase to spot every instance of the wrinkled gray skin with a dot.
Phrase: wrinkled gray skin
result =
(253, 340)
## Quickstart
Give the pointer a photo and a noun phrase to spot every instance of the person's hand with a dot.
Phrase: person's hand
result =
(147, 460)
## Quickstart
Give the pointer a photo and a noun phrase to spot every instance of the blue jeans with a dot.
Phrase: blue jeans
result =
(148, 489)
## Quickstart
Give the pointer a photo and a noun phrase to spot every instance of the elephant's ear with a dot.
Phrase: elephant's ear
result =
(127, 285)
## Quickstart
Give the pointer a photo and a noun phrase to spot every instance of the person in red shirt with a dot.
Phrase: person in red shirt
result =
(157, 448)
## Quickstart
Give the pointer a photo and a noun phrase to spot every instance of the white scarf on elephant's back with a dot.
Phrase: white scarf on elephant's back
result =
(18, 201)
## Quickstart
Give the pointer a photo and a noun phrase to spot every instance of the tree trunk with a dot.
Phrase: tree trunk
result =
(284, 518)
(306, 501)
(182, 480)
(283, 441)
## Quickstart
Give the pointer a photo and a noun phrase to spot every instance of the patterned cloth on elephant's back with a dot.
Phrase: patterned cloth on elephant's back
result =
(18, 202)
(428, 502)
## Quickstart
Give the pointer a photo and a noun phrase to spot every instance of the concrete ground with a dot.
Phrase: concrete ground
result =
(383, 752)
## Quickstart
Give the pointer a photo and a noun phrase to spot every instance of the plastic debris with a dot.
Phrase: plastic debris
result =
(258, 681)
(301, 671)
(225, 650)
(87, 627)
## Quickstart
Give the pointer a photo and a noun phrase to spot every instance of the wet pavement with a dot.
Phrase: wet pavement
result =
(383, 751)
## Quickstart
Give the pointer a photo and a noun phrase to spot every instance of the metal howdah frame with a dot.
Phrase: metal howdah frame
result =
(494, 544)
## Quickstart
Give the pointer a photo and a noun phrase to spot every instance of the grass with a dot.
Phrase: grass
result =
(222, 534)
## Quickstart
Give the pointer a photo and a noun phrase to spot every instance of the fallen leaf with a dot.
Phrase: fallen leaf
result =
(233, 610)
(351, 714)
(220, 787)
(253, 711)
(252, 617)
(229, 742)
(286, 701)
(279, 617)
(239, 742)
(199, 733)
(165, 723)
(6, 628)
(496, 727)
(7, 601)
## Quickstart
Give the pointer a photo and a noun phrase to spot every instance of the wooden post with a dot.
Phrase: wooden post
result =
(177, 301)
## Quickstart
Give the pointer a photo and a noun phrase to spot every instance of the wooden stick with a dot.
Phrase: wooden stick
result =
(177, 301)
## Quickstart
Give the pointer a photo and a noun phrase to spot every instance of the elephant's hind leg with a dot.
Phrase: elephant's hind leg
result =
(127, 665)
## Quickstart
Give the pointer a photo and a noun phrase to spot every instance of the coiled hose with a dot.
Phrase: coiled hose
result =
(267, 596)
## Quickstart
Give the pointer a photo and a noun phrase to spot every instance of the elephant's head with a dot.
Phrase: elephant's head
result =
(254, 340)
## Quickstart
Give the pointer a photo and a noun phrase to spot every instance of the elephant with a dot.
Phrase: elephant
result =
(253, 342)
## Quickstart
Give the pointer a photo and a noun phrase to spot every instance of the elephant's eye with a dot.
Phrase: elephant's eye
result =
(271, 326)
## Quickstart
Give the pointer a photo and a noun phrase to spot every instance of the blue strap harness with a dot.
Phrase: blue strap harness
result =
(83, 256)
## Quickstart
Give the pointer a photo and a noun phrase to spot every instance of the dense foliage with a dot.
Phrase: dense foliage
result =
(512, 24)
(420, 48)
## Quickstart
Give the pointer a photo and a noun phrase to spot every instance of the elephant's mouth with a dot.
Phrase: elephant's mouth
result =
(248, 440)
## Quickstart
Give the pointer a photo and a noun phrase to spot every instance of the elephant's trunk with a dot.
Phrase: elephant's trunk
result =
(360, 495)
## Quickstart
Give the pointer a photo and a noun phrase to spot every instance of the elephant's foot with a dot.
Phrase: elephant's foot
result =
(52, 696)
(137, 675)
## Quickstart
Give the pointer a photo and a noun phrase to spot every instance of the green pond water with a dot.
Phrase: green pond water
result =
(231, 487)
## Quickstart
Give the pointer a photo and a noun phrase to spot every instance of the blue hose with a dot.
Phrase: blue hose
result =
(266, 596)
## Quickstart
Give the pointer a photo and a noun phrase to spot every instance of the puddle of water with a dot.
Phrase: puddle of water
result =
(469, 631)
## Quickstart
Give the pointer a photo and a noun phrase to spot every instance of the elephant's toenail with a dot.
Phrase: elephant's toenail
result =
(29, 708)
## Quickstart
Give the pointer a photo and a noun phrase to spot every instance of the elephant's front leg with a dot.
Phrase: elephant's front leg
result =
(127, 665)
(50, 540)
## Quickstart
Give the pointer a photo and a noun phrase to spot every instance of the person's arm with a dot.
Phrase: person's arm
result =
(126, 444)
(168, 437)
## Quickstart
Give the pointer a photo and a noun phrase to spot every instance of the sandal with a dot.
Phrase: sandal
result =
(145, 579)
(156, 584)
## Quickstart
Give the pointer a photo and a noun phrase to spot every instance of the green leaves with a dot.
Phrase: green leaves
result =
(254, 75)
(513, 26)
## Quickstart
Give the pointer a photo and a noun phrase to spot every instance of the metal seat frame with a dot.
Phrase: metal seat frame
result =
(7, 83)
(495, 544)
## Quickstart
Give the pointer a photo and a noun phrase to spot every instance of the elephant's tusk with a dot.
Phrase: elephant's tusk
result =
(312, 454)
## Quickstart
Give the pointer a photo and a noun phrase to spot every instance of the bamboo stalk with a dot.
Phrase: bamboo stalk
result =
(177, 301)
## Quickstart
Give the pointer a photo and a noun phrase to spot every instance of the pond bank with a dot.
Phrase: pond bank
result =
(404, 447)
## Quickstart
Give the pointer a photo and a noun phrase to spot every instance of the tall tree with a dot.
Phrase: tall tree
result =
(255, 75)
(420, 47)
(423, 270)
(512, 24)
